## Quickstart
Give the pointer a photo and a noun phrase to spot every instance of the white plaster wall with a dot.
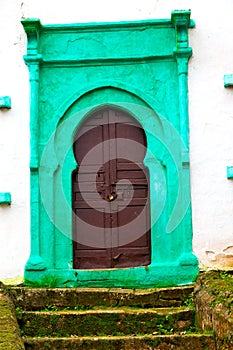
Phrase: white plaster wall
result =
(211, 117)
(211, 132)
(14, 144)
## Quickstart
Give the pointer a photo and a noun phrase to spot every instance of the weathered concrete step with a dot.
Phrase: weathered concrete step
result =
(41, 298)
(165, 342)
(118, 321)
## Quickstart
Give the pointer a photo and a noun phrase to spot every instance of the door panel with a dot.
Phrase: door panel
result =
(111, 225)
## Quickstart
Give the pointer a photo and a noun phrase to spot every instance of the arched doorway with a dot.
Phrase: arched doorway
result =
(110, 190)
(87, 74)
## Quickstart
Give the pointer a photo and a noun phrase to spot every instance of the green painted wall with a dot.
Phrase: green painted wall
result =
(140, 67)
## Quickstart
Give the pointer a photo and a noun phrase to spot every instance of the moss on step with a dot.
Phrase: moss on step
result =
(85, 298)
(146, 342)
(9, 331)
(62, 313)
(106, 322)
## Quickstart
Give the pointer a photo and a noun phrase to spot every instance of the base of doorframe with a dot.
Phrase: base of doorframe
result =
(152, 276)
(35, 263)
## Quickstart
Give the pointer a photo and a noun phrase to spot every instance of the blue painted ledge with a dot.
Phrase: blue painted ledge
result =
(5, 198)
(5, 102)
(230, 172)
(228, 80)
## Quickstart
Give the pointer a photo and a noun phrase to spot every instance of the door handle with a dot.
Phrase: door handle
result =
(117, 256)
(112, 197)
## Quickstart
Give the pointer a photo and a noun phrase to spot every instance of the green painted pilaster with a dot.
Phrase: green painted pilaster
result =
(182, 52)
(32, 60)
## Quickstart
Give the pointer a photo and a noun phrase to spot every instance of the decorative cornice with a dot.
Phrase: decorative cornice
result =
(183, 52)
(181, 22)
(103, 61)
(181, 17)
(32, 27)
(32, 59)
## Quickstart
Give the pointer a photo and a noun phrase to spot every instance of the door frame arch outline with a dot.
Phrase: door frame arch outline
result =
(154, 272)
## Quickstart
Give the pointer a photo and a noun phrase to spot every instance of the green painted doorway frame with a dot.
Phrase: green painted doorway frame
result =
(140, 67)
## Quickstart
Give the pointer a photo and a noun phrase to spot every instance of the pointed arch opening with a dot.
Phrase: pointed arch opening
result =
(110, 193)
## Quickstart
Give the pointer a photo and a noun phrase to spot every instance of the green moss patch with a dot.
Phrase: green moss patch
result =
(88, 298)
(219, 285)
(106, 322)
(175, 342)
(214, 306)
(9, 331)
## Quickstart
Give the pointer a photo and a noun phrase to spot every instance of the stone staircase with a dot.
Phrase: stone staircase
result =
(93, 319)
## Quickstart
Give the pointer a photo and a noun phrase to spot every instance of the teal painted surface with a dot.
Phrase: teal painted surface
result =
(141, 68)
(228, 80)
(5, 102)
(230, 172)
(5, 198)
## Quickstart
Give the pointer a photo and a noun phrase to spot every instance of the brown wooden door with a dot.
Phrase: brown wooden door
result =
(111, 226)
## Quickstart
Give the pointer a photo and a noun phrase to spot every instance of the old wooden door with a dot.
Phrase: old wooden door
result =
(111, 207)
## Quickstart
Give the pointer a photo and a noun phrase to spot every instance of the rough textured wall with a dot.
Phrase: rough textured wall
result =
(211, 117)
(214, 310)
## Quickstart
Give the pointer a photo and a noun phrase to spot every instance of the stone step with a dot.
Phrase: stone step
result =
(114, 321)
(146, 342)
(60, 298)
